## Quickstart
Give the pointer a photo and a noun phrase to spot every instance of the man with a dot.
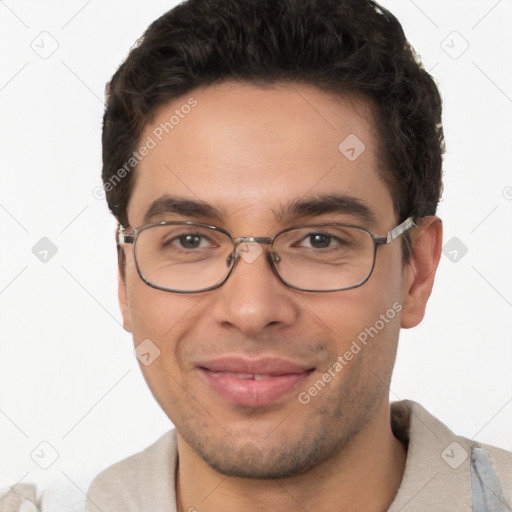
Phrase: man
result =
(275, 168)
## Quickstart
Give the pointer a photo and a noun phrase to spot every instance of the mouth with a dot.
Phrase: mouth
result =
(254, 383)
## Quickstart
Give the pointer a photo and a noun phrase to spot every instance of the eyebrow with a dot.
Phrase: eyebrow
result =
(326, 204)
(186, 207)
(294, 211)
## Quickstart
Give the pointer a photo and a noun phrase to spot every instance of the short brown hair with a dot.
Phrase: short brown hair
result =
(340, 46)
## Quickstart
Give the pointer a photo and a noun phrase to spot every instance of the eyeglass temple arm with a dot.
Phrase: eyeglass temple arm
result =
(122, 237)
(397, 231)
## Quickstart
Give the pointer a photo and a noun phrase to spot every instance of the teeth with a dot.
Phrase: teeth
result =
(246, 376)
(238, 375)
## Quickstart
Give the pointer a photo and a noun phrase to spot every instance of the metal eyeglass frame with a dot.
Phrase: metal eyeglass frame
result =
(273, 258)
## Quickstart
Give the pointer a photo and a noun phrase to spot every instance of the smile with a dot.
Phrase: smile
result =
(253, 383)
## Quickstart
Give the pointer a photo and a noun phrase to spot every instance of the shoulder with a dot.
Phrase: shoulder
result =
(417, 418)
(492, 459)
(18, 497)
(61, 495)
(144, 481)
(443, 467)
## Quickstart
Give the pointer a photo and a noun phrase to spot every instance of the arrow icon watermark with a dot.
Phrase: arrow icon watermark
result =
(147, 352)
(44, 250)
(455, 249)
(352, 147)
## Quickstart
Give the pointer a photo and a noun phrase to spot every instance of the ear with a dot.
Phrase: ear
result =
(419, 273)
(121, 290)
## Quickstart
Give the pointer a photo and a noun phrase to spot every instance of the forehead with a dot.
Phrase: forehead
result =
(250, 150)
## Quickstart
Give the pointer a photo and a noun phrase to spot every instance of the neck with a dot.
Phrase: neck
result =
(365, 475)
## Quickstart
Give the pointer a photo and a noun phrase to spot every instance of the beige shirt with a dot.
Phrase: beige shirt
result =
(437, 474)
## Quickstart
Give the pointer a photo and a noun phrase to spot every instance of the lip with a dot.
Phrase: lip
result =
(233, 378)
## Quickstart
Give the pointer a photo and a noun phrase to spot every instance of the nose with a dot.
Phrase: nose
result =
(253, 298)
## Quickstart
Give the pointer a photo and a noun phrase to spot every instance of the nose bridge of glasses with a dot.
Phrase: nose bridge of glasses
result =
(252, 240)
(241, 244)
(248, 248)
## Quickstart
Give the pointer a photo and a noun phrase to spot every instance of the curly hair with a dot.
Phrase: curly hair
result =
(340, 46)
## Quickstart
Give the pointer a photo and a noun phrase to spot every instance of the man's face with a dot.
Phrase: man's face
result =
(251, 154)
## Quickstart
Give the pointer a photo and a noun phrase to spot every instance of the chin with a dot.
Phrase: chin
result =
(283, 458)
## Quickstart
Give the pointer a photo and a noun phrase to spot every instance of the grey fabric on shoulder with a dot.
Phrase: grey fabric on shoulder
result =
(487, 492)
(437, 472)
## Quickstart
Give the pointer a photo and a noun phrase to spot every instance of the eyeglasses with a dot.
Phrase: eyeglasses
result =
(187, 257)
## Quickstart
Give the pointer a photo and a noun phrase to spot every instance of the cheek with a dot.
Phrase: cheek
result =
(152, 312)
(379, 302)
(159, 316)
(159, 320)
(367, 316)
(387, 280)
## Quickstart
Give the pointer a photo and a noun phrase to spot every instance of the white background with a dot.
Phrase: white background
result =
(68, 376)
